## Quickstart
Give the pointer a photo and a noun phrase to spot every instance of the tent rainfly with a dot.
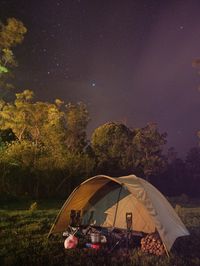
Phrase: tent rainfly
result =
(109, 199)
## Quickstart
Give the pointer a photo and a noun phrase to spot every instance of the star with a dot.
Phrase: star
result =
(93, 84)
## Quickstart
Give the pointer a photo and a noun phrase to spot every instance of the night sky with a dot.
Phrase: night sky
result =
(129, 61)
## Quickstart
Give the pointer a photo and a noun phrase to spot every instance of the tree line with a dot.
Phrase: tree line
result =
(45, 151)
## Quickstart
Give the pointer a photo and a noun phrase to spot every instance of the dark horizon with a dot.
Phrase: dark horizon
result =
(129, 62)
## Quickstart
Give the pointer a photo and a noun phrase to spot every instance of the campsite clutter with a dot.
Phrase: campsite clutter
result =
(113, 213)
(90, 236)
(110, 239)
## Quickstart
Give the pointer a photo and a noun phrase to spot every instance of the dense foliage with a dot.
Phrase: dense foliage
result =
(44, 151)
(11, 34)
(48, 149)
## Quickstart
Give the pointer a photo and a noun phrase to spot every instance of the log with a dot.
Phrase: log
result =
(152, 244)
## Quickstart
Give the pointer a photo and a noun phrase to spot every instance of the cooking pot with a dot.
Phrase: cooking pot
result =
(95, 237)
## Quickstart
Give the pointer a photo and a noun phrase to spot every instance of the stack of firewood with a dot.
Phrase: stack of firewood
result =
(152, 244)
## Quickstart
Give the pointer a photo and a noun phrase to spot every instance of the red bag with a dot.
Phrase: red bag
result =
(71, 242)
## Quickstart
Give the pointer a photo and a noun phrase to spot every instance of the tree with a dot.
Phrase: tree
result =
(6, 136)
(16, 116)
(11, 34)
(41, 150)
(77, 119)
(31, 120)
(148, 145)
(173, 181)
(18, 164)
(40, 136)
(111, 143)
(193, 170)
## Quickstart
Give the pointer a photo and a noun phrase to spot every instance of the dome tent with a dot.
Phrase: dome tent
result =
(111, 198)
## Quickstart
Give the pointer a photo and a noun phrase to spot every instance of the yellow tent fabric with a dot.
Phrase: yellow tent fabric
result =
(111, 198)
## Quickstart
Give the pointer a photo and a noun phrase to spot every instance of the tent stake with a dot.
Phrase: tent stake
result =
(117, 206)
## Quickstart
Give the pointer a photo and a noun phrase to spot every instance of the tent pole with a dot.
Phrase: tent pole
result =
(50, 230)
(117, 206)
(64, 205)
(166, 250)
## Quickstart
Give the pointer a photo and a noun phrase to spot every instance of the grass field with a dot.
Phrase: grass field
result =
(23, 239)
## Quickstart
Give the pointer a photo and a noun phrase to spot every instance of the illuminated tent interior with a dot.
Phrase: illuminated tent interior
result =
(109, 199)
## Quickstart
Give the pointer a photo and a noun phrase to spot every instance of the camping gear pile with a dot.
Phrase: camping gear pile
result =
(152, 244)
(128, 204)
(91, 236)
(97, 237)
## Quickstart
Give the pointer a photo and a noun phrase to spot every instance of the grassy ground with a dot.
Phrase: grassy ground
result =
(23, 239)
